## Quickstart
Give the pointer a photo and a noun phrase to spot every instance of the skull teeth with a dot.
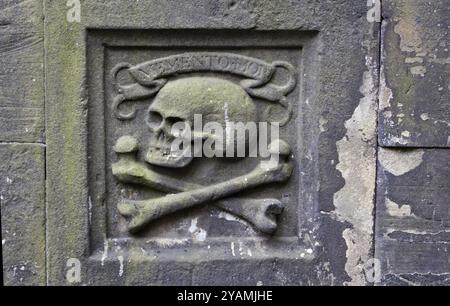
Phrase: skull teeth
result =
(160, 143)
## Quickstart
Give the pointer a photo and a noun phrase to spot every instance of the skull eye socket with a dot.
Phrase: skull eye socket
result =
(176, 126)
(172, 120)
(154, 120)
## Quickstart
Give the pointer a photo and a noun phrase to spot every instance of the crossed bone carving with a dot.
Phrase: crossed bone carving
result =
(261, 213)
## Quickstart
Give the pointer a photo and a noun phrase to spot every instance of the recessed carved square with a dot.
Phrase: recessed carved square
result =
(140, 189)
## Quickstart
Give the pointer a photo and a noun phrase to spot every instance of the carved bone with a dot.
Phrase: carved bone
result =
(260, 213)
(142, 212)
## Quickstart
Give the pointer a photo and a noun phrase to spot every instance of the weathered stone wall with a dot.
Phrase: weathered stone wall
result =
(370, 193)
(413, 193)
(22, 142)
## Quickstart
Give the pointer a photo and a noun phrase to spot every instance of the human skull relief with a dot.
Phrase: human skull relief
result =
(216, 100)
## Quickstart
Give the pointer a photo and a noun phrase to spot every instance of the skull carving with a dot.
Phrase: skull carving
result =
(217, 100)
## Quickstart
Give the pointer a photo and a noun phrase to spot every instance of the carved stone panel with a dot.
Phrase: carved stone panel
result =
(130, 211)
(223, 207)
